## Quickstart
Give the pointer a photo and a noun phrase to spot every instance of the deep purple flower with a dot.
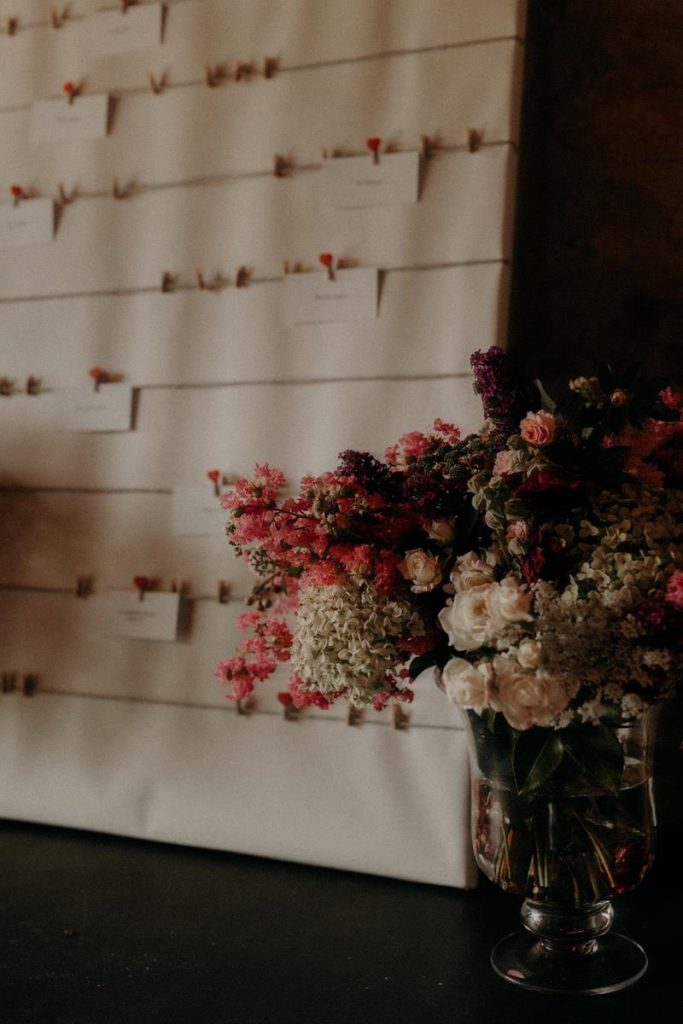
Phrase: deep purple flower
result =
(498, 387)
(370, 474)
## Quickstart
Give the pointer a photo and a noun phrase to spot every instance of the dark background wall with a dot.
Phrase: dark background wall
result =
(599, 259)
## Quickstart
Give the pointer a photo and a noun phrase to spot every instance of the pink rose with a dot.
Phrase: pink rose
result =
(503, 464)
(674, 591)
(519, 530)
(422, 569)
(538, 428)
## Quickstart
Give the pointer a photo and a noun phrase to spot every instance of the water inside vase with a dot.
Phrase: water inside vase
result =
(572, 849)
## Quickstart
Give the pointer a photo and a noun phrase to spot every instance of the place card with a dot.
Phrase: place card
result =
(154, 617)
(87, 117)
(351, 182)
(110, 408)
(32, 222)
(110, 32)
(313, 298)
(197, 512)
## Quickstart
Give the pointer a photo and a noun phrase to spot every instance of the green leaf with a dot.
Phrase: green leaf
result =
(420, 662)
(537, 755)
(597, 753)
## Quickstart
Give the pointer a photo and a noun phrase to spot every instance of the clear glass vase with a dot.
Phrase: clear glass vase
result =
(566, 820)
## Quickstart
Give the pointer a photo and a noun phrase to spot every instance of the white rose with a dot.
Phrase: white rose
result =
(465, 619)
(526, 698)
(529, 653)
(442, 531)
(465, 685)
(507, 602)
(470, 571)
(422, 569)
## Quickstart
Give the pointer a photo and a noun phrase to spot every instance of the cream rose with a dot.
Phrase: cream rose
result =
(529, 653)
(470, 571)
(525, 697)
(538, 428)
(465, 685)
(441, 530)
(422, 568)
(465, 619)
(507, 602)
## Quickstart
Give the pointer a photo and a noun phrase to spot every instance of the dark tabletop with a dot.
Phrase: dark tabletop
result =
(104, 929)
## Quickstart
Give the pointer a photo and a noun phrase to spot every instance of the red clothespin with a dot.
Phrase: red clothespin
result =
(475, 138)
(168, 281)
(327, 260)
(374, 144)
(17, 193)
(33, 385)
(215, 476)
(11, 25)
(142, 584)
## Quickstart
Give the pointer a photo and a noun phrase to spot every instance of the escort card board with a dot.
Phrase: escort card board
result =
(134, 735)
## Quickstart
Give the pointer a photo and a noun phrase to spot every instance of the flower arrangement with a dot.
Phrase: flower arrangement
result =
(537, 564)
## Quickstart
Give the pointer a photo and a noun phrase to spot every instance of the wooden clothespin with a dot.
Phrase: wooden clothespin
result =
(214, 74)
(64, 197)
(270, 66)
(475, 138)
(291, 713)
(11, 25)
(246, 706)
(180, 587)
(119, 191)
(282, 166)
(427, 147)
(83, 586)
(157, 85)
(125, 4)
(243, 70)
(242, 277)
(355, 715)
(33, 385)
(400, 719)
(29, 684)
(168, 281)
(58, 17)
(9, 682)
(223, 592)
(7, 387)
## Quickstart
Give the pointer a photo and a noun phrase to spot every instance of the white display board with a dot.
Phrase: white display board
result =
(131, 734)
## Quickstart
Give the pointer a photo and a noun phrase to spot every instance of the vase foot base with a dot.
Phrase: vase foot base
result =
(614, 962)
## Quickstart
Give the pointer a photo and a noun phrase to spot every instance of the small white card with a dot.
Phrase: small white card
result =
(110, 408)
(197, 512)
(155, 617)
(137, 28)
(60, 121)
(32, 222)
(357, 181)
(314, 299)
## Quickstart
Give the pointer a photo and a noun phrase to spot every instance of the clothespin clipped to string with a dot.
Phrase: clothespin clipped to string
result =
(142, 584)
(58, 17)
(400, 719)
(243, 277)
(157, 85)
(427, 147)
(245, 705)
(374, 144)
(71, 90)
(125, 4)
(223, 592)
(29, 684)
(282, 166)
(327, 260)
(291, 713)
(243, 70)
(168, 281)
(18, 193)
(180, 587)
(33, 385)
(11, 25)
(214, 74)
(8, 682)
(64, 197)
(270, 66)
(119, 191)
(475, 138)
(101, 376)
(84, 586)
(355, 715)
(7, 387)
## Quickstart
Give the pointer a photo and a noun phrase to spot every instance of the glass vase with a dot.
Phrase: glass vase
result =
(565, 819)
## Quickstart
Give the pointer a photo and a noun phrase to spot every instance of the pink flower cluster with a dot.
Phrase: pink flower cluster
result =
(260, 654)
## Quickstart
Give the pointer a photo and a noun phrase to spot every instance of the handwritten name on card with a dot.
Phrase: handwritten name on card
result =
(155, 617)
(313, 298)
(60, 121)
(197, 512)
(32, 222)
(110, 408)
(352, 182)
(110, 32)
